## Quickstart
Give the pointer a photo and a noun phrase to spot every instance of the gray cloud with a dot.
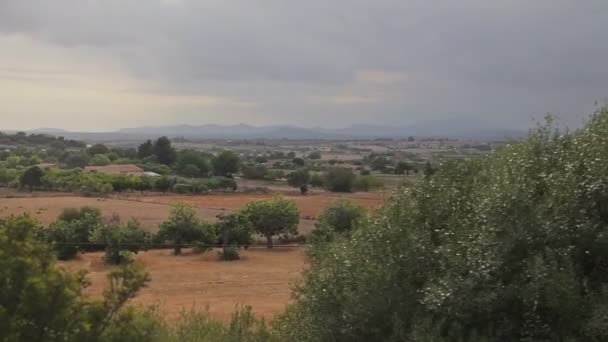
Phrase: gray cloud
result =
(504, 60)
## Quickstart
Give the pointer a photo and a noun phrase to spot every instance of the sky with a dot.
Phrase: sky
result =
(101, 65)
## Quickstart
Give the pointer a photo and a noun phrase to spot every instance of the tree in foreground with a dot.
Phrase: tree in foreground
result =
(507, 247)
(42, 302)
(270, 217)
(184, 227)
(299, 179)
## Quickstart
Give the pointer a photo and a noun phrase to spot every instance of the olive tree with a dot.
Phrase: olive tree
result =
(270, 217)
(299, 179)
(183, 227)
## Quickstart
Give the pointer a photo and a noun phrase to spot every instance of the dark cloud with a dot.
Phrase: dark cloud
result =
(504, 60)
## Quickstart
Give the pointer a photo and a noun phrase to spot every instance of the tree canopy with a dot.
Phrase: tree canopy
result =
(270, 217)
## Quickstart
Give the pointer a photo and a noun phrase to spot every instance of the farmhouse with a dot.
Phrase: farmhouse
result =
(116, 169)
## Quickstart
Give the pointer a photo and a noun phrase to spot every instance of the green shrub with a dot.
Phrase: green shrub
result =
(229, 253)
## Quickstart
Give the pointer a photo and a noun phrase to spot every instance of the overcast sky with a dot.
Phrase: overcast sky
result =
(105, 64)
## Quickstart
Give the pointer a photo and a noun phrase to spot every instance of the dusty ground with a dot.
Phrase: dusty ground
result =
(310, 205)
(261, 279)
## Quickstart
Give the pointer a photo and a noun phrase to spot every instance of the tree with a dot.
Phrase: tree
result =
(339, 180)
(119, 238)
(183, 226)
(71, 232)
(341, 217)
(98, 149)
(403, 167)
(191, 170)
(100, 160)
(380, 164)
(367, 183)
(506, 247)
(314, 155)
(316, 180)
(299, 179)
(145, 150)
(234, 230)
(163, 184)
(299, 162)
(273, 216)
(254, 171)
(163, 150)
(225, 164)
(188, 158)
(31, 178)
(76, 160)
(42, 302)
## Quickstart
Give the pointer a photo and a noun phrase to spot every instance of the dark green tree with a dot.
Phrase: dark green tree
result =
(146, 149)
(31, 178)
(339, 180)
(225, 164)
(163, 150)
(299, 179)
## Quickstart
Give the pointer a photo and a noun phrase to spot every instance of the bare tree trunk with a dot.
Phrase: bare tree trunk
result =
(269, 241)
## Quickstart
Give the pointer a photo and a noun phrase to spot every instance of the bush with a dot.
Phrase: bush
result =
(316, 180)
(71, 232)
(120, 238)
(339, 180)
(507, 247)
(367, 183)
(229, 253)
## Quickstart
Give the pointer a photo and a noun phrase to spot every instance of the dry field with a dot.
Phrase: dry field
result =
(262, 279)
(151, 210)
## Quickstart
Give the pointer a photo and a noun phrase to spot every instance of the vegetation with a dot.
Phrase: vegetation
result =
(183, 227)
(339, 179)
(504, 248)
(119, 238)
(299, 179)
(226, 164)
(272, 217)
(41, 302)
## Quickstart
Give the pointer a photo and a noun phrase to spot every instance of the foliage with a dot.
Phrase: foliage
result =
(42, 302)
(508, 247)
(314, 155)
(299, 179)
(163, 150)
(254, 171)
(225, 164)
(234, 229)
(273, 216)
(71, 232)
(146, 149)
(403, 168)
(183, 226)
(229, 253)
(316, 180)
(98, 149)
(341, 217)
(192, 163)
(120, 237)
(100, 160)
(367, 183)
(31, 178)
(339, 180)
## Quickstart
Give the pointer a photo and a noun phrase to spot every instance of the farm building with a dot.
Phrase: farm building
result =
(116, 169)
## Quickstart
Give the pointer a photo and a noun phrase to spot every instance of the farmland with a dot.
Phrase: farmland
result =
(260, 279)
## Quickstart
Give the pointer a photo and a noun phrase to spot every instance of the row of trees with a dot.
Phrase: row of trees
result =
(78, 230)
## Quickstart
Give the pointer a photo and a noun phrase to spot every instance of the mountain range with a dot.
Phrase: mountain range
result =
(464, 129)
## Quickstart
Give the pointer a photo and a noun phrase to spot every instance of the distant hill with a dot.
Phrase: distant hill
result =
(469, 129)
